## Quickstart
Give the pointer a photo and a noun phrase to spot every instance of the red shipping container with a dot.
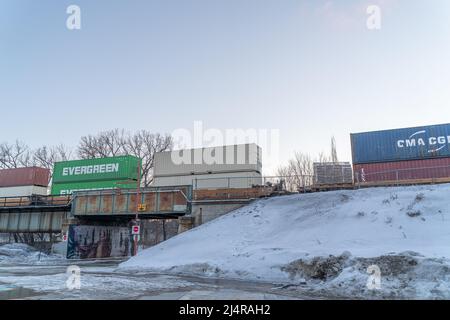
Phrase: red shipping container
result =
(32, 176)
(403, 170)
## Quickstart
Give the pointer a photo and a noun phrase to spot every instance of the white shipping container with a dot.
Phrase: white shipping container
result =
(224, 159)
(23, 191)
(212, 181)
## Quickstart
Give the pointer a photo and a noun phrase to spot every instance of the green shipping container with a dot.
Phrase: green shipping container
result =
(103, 169)
(60, 189)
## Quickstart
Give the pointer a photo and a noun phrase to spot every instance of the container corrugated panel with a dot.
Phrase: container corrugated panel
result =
(416, 143)
(212, 181)
(24, 177)
(23, 191)
(68, 188)
(333, 173)
(403, 170)
(244, 157)
(101, 169)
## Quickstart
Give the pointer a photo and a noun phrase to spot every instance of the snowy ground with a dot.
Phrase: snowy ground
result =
(323, 241)
(101, 280)
(18, 253)
(25, 275)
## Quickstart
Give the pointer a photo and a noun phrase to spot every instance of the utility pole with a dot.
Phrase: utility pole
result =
(138, 206)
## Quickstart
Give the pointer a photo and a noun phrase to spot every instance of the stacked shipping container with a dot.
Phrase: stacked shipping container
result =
(95, 174)
(419, 153)
(234, 166)
(23, 182)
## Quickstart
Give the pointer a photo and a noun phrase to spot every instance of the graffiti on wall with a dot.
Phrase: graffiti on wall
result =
(91, 242)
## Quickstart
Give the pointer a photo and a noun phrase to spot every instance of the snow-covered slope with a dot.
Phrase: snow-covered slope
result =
(277, 239)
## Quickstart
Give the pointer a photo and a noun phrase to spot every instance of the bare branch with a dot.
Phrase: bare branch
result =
(142, 144)
(15, 155)
(46, 156)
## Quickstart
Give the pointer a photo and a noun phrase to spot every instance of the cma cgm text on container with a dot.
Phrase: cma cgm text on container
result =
(415, 143)
(95, 174)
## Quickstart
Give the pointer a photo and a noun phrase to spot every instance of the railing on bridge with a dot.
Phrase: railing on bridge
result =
(34, 200)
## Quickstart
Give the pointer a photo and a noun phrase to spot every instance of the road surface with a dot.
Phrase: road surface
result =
(100, 280)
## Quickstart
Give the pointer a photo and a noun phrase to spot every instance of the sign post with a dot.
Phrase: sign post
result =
(136, 228)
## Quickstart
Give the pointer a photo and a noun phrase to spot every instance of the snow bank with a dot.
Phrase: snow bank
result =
(261, 241)
(19, 253)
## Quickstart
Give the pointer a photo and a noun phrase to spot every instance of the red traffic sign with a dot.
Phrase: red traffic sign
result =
(135, 230)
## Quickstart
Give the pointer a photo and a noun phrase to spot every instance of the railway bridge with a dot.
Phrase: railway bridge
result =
(52, 214)
(33, 214)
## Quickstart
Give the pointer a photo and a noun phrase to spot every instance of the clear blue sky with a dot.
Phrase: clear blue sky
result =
(309, 68)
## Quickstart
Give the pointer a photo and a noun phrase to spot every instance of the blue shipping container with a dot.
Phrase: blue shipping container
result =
(401, 144)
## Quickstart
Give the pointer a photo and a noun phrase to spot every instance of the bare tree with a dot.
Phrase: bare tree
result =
(142, 144)
(15, 155)
(301, 167)
(105, 144)
(286, 179)
(298, 174)
(46, 156)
